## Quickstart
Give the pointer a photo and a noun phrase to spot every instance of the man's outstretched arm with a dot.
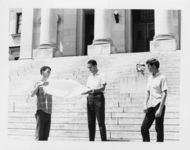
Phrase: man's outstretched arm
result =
(159, 111)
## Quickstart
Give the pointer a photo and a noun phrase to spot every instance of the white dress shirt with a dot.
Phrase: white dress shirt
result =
(96, 81)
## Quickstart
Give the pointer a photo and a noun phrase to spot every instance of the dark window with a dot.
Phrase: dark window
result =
(143, 16)
(14, 52)
(19, 21)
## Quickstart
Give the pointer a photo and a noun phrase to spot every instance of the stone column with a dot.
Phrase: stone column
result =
(102, 43)
(26, 33)
(101, 26)
(12, 24)
(128, 31)
(12, 31)
(48, 34)
(164, 40)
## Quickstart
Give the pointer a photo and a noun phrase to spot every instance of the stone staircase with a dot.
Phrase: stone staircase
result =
(124, 97)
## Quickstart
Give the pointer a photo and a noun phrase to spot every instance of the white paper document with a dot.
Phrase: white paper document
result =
(65, 88)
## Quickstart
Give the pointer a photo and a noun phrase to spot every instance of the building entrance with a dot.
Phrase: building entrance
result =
(143, 29)
(88, 28)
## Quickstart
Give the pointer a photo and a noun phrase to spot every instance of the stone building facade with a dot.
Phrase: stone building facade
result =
(46, 33)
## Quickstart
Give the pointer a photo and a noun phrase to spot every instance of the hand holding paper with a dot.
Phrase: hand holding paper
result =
(65, 88)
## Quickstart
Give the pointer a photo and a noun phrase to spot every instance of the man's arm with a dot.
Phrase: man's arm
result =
(97, 90)
(34, 91)
(101, 89)
(164, 88)
(103, 85)
(159, 111)
(87, 92)
(87, 85)
(146, 101)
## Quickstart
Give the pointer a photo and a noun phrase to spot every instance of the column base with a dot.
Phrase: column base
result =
(163, 43)
(58, 53)
(102, 41)
(11, 57)
(101, 47)
(43, 53)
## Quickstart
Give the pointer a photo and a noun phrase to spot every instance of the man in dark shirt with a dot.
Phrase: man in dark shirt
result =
(44, 106)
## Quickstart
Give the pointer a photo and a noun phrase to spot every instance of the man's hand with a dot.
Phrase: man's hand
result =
(158, 113)
(145, 109)
(40, 83)
(90, 91)
(36, 87)
(46, 83)
(84, 93)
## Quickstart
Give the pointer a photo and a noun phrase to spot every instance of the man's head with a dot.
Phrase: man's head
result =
(45, 71)
(92, 66)
(153, 65)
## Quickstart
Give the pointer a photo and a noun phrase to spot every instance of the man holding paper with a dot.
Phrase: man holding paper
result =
(96, 101)
(44, 105)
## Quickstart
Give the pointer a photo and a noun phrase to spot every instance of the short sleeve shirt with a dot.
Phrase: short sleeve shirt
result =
(156, 86)
(44, 101)
(96, 81)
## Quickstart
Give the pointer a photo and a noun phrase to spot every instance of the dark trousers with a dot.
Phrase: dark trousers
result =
(96, 108)
(159, 124)
(43, 121)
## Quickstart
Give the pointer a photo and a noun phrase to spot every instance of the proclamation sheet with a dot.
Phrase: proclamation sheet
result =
(66, 88)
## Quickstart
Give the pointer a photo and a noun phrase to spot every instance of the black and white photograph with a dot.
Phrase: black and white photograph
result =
(112, 75)
(127, 61)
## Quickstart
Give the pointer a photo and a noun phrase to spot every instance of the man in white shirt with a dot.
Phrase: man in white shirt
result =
(154, 107)
(96, 101)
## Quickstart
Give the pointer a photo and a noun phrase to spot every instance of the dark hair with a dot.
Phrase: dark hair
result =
(92, 62)
(153, 61)
(44, 68)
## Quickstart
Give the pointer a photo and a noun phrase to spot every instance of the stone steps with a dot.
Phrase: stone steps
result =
(84, 134)
(62, 138)
(109, 114)
(83, 120)
(110, 102)
(84, 127)
(123, 108)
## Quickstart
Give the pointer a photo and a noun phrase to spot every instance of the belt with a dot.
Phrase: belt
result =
(95, 94)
